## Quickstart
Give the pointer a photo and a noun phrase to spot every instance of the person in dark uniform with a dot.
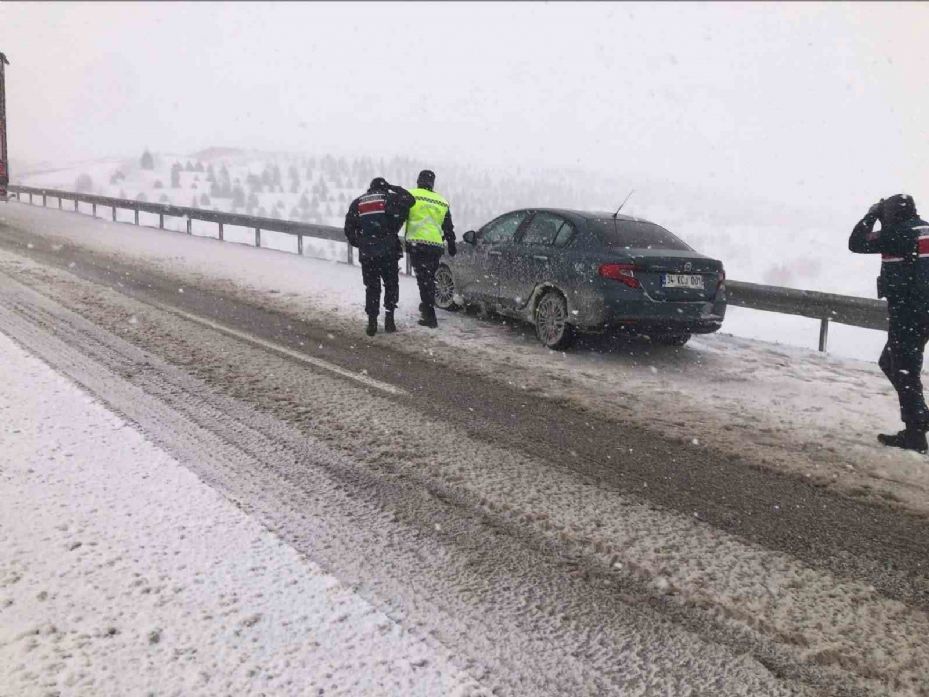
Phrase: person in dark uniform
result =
(429, 229)
(371, 224)
(903, 243)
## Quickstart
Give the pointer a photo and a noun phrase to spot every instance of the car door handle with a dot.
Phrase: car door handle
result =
(494, 253)
(540, 257)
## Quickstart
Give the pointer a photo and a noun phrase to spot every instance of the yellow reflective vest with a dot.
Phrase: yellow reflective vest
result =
(424, 223)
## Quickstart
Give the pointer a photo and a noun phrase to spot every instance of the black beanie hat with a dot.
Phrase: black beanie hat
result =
(426, 179)
(899, 207)
(378, 184)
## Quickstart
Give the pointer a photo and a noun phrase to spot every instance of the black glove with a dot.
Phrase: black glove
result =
(452, 249)
(875, 210)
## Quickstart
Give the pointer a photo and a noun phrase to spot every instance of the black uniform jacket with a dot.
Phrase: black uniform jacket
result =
(904, 250)
(374, 219)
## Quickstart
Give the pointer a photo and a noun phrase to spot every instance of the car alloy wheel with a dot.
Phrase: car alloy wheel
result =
(551, 321)
(445, 289)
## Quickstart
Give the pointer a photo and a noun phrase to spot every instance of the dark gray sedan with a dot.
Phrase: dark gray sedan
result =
(572, 271)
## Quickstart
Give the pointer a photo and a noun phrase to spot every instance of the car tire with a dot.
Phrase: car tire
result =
(551, 321)
(445, 289)
(671, 339)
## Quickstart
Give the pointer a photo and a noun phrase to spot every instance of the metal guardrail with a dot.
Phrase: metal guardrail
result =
(826, 307)
(163, 210)
(167, 210)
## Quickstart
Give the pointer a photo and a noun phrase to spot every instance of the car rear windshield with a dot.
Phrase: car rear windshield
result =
(635, 234)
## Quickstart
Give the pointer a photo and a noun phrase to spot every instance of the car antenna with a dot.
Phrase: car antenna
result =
(620, 208)
(623, 204)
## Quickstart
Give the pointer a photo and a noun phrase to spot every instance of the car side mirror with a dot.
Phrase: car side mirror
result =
(470, 237)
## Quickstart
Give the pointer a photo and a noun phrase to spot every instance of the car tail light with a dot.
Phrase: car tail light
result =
(624, 273)
(721, 282)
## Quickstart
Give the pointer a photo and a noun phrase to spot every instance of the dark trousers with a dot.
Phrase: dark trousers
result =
(373, 270)
(902, 363)
(424, 259)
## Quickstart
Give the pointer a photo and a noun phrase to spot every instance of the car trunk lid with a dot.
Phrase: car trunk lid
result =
(679, 276)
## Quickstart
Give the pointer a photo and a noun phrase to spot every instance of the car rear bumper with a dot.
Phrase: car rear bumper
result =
(703, 326)
(639, 312)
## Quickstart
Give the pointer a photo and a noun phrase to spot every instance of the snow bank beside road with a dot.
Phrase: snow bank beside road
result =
(121, 573)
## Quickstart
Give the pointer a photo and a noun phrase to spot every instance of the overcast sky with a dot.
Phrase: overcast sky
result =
(793, 101)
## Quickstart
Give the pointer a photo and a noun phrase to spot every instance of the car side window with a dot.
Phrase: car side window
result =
(543, 229)
(503, 228)
(565, 235)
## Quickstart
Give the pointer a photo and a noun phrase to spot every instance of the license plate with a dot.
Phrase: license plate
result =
(682, 280)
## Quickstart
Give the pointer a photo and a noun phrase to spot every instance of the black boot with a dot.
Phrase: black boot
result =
(372, 325)
(908, 439)
(389, 325)
(428, 318)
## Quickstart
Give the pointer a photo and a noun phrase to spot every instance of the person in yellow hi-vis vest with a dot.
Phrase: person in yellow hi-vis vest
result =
(428, 229)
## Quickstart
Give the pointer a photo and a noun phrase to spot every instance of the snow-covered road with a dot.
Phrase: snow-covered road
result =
(123, 574)
(532, 533)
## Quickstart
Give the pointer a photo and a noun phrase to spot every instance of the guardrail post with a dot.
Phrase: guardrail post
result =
(190, 229)
(75, 205)
(409, 264)
(114, 214)
(257, 237)
(59, 203)
(43, 200)
(93, 209)
(300, 245)
(136, 216)
(30, 197)
(161, 221)
(220, 232)
(350, 256)
(823, 333)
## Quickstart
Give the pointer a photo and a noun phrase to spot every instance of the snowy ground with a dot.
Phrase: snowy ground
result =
(810, 413)
(121, 573)
(414, 519)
